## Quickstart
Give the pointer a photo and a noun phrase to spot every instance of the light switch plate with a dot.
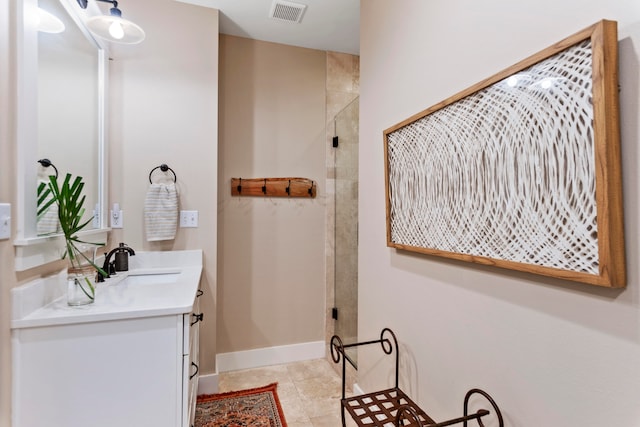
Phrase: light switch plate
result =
(5, 221)
(188, 219)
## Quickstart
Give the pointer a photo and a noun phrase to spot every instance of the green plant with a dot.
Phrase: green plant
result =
(70, 200)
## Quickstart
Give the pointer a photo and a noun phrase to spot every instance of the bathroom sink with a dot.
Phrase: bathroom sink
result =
(157, 284)
(151, 279)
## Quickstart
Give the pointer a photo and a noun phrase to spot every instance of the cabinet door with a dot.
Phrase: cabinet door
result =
(115, 373)
(194, 361)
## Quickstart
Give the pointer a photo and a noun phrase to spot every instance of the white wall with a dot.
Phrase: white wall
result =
(164, 109)
(271, 258)
(551, 353)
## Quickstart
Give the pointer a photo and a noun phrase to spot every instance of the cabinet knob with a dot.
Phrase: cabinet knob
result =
(197, 318)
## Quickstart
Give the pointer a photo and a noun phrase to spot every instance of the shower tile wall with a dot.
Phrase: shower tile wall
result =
(342, 87)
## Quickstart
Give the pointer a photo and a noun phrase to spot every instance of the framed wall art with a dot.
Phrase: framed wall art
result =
(520, 171)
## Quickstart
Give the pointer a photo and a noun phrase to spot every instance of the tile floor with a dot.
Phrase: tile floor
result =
(309, 391)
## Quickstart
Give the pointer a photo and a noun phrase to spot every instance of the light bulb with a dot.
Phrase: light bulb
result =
(116, 30)
(512, 81)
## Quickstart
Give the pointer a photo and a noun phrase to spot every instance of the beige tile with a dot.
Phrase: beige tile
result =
(336, 102)
(287, 391)
(340, 71)
(319, 387)
(251, 378)
(304, 424)
(319, 407)
(356, 74)
(349, 421)
(309, 391)
(331, 173)
(332, 420)
(318, 368)
(294, 411)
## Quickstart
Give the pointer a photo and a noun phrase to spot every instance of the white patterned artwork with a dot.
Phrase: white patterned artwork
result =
(521, 171)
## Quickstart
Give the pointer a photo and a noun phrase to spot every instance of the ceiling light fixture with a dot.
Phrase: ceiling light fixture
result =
(113, 27)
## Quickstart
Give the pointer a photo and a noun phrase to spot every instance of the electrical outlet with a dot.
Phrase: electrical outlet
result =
(188, 219)
(117, 219)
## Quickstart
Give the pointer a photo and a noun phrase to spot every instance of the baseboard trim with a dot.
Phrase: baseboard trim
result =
(270, 356)
(357, 390)
(208, 384)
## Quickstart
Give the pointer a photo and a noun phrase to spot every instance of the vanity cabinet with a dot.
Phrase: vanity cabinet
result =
(130, 359)
(118, 373)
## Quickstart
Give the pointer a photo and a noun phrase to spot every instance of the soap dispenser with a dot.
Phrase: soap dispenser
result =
(122, 257)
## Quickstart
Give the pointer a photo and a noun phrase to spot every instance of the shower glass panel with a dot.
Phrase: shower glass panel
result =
(346, 223)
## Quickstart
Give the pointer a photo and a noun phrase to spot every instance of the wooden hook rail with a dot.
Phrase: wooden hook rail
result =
(273, 187)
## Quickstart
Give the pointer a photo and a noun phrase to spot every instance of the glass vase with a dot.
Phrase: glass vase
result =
(81, 285)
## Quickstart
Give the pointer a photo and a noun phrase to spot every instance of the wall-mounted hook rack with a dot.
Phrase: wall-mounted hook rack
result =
(273, 187)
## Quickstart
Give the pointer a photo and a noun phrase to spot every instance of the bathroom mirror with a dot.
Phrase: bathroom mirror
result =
(61, 107)
(67, 108)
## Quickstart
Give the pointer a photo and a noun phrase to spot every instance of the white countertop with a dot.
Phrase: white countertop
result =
(157, 284)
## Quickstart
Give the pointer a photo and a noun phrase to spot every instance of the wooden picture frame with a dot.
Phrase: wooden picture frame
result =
(522, 170)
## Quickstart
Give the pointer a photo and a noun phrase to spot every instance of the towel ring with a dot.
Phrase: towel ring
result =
(46, 163)
(163, 167)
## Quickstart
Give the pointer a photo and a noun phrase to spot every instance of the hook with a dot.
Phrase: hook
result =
(239, 187)
(46, 163)
(288, 189)
(163, 167)
(310, 190)
(264, 187)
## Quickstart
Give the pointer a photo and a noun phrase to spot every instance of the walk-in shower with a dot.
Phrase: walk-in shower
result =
(346, 128)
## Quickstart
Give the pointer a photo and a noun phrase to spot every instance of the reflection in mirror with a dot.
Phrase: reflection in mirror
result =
(68, 110)
(47, 221)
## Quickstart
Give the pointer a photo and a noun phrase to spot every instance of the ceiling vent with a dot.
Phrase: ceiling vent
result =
(287, 11)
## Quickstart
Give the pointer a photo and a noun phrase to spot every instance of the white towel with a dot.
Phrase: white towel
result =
(161, 212)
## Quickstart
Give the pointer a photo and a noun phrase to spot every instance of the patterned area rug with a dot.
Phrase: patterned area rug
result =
(257, 407)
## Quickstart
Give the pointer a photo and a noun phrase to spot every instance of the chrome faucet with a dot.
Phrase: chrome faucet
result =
(121, 262)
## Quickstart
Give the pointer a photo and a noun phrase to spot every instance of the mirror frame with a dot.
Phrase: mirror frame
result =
(32, 250)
